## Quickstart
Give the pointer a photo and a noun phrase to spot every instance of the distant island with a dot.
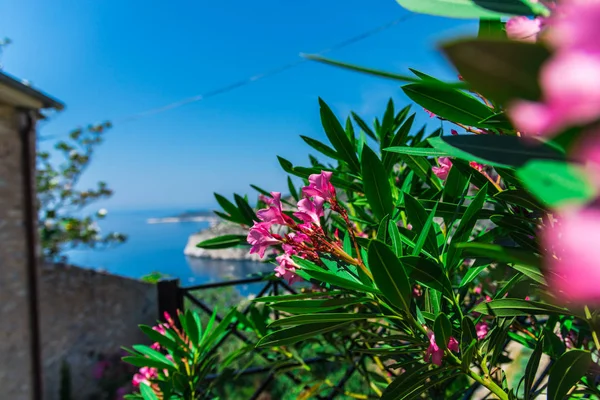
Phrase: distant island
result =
(187, 216)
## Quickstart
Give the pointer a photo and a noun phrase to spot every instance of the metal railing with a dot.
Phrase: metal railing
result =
(171, 298)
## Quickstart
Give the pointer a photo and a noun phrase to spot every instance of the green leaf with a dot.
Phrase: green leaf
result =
(245, 209)
(517, 307)
(442, 328)
(532, 367)
(566, 372)
(389, 275)
(337, 136)
(450, 104)
(395, 237)
(421, 222)
(139, 361)
(229, 208)
(422, 168)
(556, 184)
(336, 280)
(296, 334)
(194, 327)
(499, 253)
(147, 392)
(382, 230)
(374, 72)
(495, 150)
(363, 125)
(320, 318)
(417, 151)
(471, 274)
(316, 305)
(282, 297)
(222, 242)
(376, 184)
(321, 147)
(520, 198)
(465, 228)
(455, 187)
(468, 8)
(428, 273)
(390, 159)
(491, 29)
(292, 189)
(468, 333)
(501, 70)
(154, 355)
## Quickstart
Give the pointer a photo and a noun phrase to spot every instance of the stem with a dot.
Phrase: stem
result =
(486, 381)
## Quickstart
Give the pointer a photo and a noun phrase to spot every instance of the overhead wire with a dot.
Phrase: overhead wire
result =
(254, 78)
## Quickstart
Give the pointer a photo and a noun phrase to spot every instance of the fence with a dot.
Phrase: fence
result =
(171, 298)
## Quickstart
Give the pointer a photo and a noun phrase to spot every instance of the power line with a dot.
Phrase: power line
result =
(238, 84)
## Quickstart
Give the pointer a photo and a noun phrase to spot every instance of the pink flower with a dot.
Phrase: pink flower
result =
(482, 330)
(144, 375)
(320, 185)
(523, 29)
(286, 269)
(574, 26)
(477, 290)
(260, 238)
(527, 298)
(435, 353)
(454, 132)
(431, 115)
(571, 96)
(573, 255)
(155, 346)
(274, 213)
(99, 369)
(310, 210)
(444, 168)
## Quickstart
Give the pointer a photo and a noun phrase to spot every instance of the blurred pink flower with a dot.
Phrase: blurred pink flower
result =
(431, 115)
(274, 213)
(454, 132)
(435, 353)
(155, 346)
(482, 330)
(572, 255)
(444, 168)
(287, 269)
(587, 152)
(571, 96)
(523, 29)
(574, 26)
(260, 238)
(320, 185)
(159, 328)
(310, 210)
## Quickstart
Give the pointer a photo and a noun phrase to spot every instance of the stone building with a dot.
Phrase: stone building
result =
(20, 364)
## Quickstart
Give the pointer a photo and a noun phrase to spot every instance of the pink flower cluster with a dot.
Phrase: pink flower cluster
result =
(445, 164)
(302, 239)
(570, 80)
(435, 352)
(570, 83)
(144, 375)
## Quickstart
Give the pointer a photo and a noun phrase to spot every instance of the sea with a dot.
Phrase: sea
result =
(158, 247)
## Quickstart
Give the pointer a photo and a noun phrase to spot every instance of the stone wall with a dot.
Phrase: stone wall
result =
(86, 313)
(16, 369)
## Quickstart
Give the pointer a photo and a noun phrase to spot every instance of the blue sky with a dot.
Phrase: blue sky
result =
(112, 58)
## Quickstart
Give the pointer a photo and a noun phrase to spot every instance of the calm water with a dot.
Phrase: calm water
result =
(158, 247)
